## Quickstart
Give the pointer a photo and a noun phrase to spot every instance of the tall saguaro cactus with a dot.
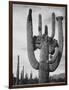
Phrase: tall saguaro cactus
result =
(17, 79)
(47, 45)
(22, 76)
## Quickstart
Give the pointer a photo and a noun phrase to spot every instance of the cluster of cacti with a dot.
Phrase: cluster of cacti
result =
(48, 47)
(24, 78)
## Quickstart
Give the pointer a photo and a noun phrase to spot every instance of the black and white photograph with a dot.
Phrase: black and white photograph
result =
(39, 49)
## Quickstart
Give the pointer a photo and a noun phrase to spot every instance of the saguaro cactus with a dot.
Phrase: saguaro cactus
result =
(31, 75)
(47, 45)
(22, 74)
(17, 79)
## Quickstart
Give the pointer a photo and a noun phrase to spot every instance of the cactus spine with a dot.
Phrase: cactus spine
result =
(47, 45)
(17, 79)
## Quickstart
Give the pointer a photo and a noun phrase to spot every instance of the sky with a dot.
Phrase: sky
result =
(20, 13)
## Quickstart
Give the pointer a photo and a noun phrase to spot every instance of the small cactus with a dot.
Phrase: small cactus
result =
(47, 45)
(31, 75)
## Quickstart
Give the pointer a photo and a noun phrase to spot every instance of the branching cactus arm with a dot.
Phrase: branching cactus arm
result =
(57, 58)
(30, 47)
(37, 39)
(53, 25)
(40, 25)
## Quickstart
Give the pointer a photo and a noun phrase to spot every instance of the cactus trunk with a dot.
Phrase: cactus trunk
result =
(44, 66)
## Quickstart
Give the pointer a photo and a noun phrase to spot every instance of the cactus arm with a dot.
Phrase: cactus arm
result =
(60, 33)
(55, 63)
(30, 48)
(53, 25)
(53, 66)
(40, 25)
(37, 39)
(53, 59)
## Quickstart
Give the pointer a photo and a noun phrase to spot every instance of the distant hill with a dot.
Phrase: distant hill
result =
(57, 78)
